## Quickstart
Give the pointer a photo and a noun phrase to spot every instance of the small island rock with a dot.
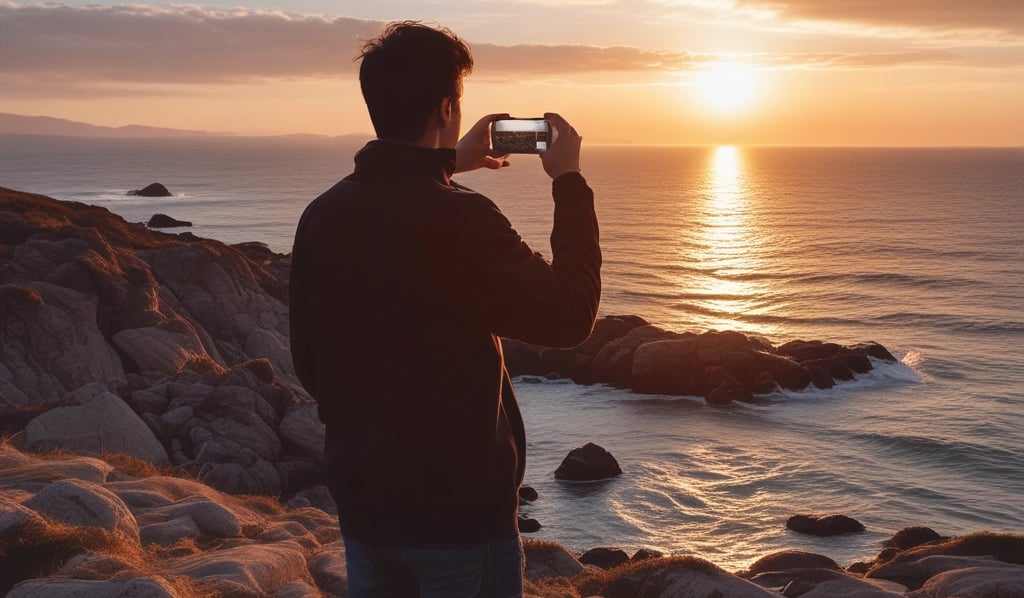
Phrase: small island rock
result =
(165, 221)
(151, 190)
(587, 463)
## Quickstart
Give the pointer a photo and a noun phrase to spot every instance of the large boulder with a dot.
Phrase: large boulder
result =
(667, 367)
(589, 462)
(103, 425)
(81, 503)
(50, 345)
(673, 576)
(149, 587)
(604, 557)
(548, 559)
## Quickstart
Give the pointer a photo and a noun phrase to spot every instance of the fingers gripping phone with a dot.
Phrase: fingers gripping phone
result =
(520, 135)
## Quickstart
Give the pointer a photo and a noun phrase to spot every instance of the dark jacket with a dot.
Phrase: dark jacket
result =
(401, 283)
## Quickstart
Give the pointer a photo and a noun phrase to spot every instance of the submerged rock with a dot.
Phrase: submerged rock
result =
(824, 525)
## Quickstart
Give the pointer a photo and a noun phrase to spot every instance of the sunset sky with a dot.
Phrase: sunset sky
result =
(688, 72)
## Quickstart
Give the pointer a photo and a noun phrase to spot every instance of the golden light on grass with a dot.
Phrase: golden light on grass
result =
(727, 88)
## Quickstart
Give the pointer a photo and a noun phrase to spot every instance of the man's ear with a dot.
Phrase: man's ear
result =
(447, 111)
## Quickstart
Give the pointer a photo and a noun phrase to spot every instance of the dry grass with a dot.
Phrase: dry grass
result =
(122, 463)
(40, 548)
(138, 468)
(43, 547)
(625, 580)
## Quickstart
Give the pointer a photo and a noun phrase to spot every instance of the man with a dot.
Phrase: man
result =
(402, 281)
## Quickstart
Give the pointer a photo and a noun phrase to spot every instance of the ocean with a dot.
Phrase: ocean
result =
(921, 250)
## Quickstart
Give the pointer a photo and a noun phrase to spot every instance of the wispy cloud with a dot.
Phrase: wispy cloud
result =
(944, 15)
(113, 50)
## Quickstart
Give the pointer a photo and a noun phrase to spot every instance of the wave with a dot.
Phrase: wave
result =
(891, 278)
(946, 454)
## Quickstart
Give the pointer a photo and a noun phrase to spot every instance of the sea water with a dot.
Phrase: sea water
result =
(921, 250)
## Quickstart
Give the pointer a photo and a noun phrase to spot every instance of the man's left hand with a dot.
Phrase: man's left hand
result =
(474, 149)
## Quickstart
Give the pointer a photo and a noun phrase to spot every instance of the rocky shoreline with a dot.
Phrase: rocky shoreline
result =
(182, 456)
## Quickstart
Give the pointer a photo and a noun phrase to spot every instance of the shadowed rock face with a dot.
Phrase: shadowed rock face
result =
(627, 352)
(189, 334)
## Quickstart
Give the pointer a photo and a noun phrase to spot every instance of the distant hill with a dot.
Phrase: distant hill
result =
(15, 124)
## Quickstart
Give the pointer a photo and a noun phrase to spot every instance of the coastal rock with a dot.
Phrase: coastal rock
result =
(912, 537)
(673, 576)
(151, 190)
(104, 424)
(81, 503)
(643, 554)
(94, 588)
(790, 559)
(831, 584)
(824, 525)
(614, 362)
(302, 428)
(328, 570)
(548, 559)
(589, 462)
(160, 350)
(667, 367)
(165, 221)
(251, 569)
(721, 366)
(604, 557)
(915, 573)
(13, 518)
(981, 581)
(50, 346)
(528, 493)
(169, 532)
(528, 525)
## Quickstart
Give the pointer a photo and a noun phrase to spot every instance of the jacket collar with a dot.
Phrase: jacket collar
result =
(384, 158)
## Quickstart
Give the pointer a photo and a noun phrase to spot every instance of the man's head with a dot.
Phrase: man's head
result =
(409, 73)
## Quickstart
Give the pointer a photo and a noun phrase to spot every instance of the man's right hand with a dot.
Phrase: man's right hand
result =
(563, 155)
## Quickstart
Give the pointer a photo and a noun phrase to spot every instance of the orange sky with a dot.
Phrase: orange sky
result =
(689, 72)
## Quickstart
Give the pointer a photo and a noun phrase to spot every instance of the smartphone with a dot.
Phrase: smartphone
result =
(520, 135)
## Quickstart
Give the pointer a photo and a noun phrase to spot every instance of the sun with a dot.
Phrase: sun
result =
(727, 87)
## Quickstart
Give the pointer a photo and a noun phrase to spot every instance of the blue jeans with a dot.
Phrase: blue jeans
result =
(493, 570)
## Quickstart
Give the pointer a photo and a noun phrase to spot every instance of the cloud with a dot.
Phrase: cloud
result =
(946, 15)
(871, 60)
(179, 45)
(563, 59)
(48, 49)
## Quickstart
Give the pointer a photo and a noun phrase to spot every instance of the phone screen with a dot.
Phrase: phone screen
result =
(520, 135)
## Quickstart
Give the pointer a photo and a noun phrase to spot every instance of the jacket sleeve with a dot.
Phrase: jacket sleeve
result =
(521, 295)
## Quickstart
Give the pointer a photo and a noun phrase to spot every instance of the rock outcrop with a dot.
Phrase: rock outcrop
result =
(165, 221)
(588, 463)
(151, 190)
(116, 338)
(627, 352)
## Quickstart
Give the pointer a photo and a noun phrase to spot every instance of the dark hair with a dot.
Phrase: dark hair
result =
(406, 72)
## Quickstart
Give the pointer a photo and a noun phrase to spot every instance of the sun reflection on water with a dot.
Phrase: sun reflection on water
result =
(725, 290)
